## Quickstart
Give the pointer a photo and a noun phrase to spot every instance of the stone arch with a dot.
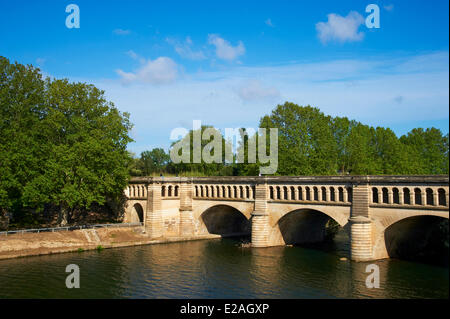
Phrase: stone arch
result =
(306, 225)
(419, 237)
(136, 214)
(225, 220)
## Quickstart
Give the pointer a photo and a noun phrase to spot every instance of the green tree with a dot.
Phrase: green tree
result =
(429, 148)
(153, 161)
(306, 145)
(61, 143)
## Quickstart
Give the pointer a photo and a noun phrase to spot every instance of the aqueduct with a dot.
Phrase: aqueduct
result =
(289, 210)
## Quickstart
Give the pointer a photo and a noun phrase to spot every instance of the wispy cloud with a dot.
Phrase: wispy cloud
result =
(400, 91)
(254, 90)
(185, 49)
(224, 50)
(341, 29)
(135, 56)
(162, 70)
(269, 23)
(121, 32)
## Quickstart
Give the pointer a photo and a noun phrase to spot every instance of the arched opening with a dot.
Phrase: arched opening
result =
(271, 192)
(430, 200)
(332, 194)
(406, 196)
(226, 221)
(385, 195)
(442, 197)
(300, 193)
(314, 229)
(395, 196)
(285, 193)
(163, 191)
(169, 191)
(374, 195)
(324, 194)
(137, 214)
(316, 193)
(417, 196)
(292, 193)
(349, 194)
(341, 194)
(308, 193)
(421, 238)
(176, 191)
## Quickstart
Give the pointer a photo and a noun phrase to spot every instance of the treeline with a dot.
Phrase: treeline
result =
(312, 143)
(63, 150)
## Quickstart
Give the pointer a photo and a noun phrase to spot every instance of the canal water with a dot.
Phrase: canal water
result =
(218, 268)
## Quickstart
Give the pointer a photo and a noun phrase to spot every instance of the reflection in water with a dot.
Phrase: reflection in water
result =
(218, 269)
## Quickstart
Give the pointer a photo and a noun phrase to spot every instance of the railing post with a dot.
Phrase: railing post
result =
(186, 215)
(360, 223)
(260, 216)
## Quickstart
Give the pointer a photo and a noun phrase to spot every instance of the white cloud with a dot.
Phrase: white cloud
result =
(224, 50)
(185, 49)
(340, 28)
(269, 23)
(402, 92)
(121, 32)
(254, 90)
(162, 70)
(135, 56)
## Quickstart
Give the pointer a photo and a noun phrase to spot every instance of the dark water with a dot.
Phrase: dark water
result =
(217, 269)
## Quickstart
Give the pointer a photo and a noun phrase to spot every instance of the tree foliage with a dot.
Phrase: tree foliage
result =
(61, 143)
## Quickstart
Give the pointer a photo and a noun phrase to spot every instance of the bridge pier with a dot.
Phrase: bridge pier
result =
(186, 227)
(361, 246)
(260, 217)
(153, 215)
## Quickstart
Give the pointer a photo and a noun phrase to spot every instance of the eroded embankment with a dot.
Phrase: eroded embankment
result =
(34, 244)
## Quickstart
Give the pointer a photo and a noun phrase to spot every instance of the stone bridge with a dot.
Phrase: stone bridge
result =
(375, 211)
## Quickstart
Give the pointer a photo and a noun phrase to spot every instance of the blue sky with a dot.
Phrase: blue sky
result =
(228, 63)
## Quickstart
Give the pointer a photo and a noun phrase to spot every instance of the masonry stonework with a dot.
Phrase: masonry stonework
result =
(366, 206)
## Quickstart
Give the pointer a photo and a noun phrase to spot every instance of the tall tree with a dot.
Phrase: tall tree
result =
(62, 143)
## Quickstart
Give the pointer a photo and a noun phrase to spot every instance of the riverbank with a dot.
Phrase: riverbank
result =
(36, 244)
